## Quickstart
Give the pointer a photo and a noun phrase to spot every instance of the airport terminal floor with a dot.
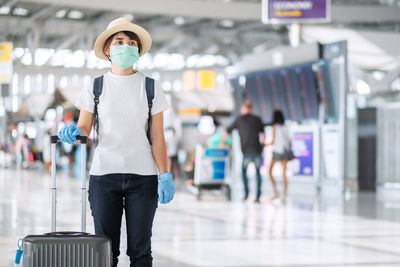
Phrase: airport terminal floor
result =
(300, 96)
(307, 231)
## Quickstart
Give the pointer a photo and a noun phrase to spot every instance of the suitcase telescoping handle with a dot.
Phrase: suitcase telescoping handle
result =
(83, 140)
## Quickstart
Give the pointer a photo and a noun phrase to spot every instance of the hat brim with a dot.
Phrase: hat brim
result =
(144, 37)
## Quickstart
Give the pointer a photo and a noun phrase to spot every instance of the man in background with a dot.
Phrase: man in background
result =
(172, 142)
(251, 130)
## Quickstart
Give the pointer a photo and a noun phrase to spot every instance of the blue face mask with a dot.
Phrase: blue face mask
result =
(124, 56)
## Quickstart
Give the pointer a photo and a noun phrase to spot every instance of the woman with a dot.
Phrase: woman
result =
(123, 174)
(280, 151)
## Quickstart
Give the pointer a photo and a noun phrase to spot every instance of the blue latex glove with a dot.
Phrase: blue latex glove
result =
(68, 134)
(166, 188)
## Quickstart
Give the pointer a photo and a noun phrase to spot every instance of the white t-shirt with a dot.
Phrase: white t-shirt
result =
(282, 139)
(123, 112)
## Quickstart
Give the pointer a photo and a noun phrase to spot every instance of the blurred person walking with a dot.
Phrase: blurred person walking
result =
(22, 149)
(172, 142)
(251, 130)
(131, 149)
(47, 151)
(281, 151)
(214, 140)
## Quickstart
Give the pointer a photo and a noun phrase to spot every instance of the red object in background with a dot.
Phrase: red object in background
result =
(11, 127)
(30, 157)
(68, 116)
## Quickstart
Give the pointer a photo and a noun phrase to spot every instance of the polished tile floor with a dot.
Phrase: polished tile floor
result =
(307, 231)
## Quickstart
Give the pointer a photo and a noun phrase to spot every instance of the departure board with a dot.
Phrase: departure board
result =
(296, 91)
(325, 89)
(266, 105)
(292, 94)
(308, 91)
(237, 94)
(277, 92)
(253, 93)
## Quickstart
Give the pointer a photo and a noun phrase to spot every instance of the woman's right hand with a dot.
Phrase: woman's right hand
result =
(68, 134)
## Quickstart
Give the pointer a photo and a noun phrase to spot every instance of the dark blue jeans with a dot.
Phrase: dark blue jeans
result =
(247, 159)
(109, 195)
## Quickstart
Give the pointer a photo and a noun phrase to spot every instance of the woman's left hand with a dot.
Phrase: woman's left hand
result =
(166, 188)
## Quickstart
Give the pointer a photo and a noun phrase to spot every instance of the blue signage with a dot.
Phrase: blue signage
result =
(218, 170)
(216, 153)
(302, 146)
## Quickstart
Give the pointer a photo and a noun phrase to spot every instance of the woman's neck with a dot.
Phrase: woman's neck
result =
(118, 71)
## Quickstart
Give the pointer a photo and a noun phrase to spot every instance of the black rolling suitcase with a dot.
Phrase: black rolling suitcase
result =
(67, 249)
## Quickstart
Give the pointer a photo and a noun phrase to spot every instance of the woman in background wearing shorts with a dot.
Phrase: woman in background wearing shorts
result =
(280, 151)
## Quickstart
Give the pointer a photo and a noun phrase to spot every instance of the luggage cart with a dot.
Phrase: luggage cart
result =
(212, 170)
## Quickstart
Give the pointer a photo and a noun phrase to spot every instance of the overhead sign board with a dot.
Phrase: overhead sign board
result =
(206, 79)
(292, 11)
(5, 62)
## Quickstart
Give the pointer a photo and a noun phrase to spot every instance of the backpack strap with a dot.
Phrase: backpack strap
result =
(150, 97)
(97, 90)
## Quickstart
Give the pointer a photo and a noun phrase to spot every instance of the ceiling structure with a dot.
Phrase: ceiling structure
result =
(220, 27)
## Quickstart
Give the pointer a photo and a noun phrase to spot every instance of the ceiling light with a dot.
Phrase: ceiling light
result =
(177, 85)
(61, 13)
(212, 49)
(227, 23)
(167, 86)
(4, 10)
(220, 78)
(75, 14)
(179, 20)
(378, 75)
(395, 85)
(27, 58)
(19, 11)
(363, 88)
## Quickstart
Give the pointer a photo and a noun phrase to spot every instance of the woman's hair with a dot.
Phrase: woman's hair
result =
(278, 117)
(216, 122)
(131, 35)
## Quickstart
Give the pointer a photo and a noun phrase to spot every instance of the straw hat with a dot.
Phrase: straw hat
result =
(118, 25)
